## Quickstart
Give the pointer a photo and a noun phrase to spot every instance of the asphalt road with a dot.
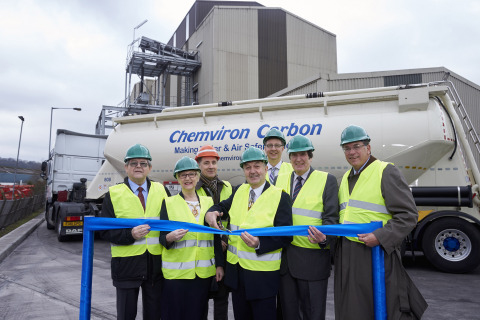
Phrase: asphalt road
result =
(41, 280)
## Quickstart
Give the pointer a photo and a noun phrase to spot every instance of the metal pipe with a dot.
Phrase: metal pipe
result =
(18, 153)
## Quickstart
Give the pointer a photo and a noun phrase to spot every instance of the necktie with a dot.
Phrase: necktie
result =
(252, 199)
(298, 186)
(272, 174)
(140, 196)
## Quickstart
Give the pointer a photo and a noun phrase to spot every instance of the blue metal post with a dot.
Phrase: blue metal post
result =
(378, 274)
(87, 269)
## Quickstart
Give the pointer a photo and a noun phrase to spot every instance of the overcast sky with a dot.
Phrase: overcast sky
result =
(68, 53)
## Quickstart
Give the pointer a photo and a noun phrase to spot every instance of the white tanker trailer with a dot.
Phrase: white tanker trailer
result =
(414, 127)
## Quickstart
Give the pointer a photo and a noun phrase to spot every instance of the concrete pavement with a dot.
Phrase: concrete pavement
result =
(12, 240)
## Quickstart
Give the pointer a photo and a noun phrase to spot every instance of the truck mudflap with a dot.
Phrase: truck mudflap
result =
(69, 220)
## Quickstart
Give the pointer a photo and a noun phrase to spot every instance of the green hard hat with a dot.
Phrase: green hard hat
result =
(185, 164)
(253, 154)
(300, 143)
(137, 151)
(353, 133)
(274, 133)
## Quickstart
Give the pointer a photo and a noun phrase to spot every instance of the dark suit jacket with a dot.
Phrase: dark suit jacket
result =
(312, 264)
(259, 284)
(129, 272)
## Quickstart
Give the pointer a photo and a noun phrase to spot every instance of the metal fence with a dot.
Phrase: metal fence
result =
(13, 210)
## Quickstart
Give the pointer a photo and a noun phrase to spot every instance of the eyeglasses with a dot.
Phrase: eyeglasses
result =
(190, 175)
(355, 147)
(135, 164)
(276, 146)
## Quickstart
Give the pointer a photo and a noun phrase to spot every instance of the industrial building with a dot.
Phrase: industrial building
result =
(238, 50)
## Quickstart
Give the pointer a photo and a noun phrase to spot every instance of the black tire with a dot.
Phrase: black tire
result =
(49, 217)
(58, 229)
(452, 245)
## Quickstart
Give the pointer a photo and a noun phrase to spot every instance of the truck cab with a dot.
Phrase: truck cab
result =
(74, 161)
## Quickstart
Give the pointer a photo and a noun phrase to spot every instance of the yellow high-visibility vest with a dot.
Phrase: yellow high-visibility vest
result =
(308, 206)
(194, 254)
(261, 215)
(127, 205)
(366, 203)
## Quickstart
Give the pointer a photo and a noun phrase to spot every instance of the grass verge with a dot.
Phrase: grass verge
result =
(17, 224)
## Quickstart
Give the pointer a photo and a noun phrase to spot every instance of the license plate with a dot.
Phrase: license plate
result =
(73, 224)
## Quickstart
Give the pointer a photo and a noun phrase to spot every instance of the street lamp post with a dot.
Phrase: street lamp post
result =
(18, 153)
(141, 24)
(50, 135)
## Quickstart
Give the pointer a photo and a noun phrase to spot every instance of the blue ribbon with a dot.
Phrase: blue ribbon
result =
(92, 224)
(347, 230)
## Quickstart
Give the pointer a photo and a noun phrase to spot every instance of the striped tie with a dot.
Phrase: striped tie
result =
(298, 186)
(272, 174)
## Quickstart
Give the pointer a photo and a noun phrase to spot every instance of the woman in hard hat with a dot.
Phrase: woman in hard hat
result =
(188, 258)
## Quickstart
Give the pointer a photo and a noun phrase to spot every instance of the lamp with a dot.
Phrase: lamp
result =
(18, 153)
(141, 24)
(50, 135)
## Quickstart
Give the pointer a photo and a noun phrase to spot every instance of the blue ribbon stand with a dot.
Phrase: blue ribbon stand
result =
(91, 224)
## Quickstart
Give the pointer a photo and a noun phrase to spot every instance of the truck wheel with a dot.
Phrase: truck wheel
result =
(452, 245)
(49, 217)
(60, 237)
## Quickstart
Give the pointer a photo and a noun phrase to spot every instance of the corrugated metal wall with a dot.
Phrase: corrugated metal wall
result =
(204, 39)
(236, 66)
(198, 12)
(310, 51)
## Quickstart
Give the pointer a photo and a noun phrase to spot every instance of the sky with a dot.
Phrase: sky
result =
(72, 53)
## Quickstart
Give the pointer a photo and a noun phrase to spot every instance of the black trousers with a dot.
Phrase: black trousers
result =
(185, 298)
(127, 299)
(302, 299)
(219, 292)
(257, 309)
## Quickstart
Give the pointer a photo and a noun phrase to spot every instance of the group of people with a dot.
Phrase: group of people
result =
(269, 277)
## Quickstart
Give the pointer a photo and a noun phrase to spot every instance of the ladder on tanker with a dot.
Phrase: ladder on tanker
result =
(462, 112)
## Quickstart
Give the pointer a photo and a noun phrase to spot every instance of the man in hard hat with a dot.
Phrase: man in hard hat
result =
(306, 262)
(373, 190)
(253, 263)
(210, 185)
(136, 252)
(274, 144)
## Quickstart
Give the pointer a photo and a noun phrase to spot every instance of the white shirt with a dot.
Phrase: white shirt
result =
(258, 191)
(278, 165)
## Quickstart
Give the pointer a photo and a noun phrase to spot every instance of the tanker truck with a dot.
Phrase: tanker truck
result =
(414, 127)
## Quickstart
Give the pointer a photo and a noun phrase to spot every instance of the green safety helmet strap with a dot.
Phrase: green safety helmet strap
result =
(137, 151)
(353, 133)
(274, 133)
(300, 143)
(185, 164)
(253, 154)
